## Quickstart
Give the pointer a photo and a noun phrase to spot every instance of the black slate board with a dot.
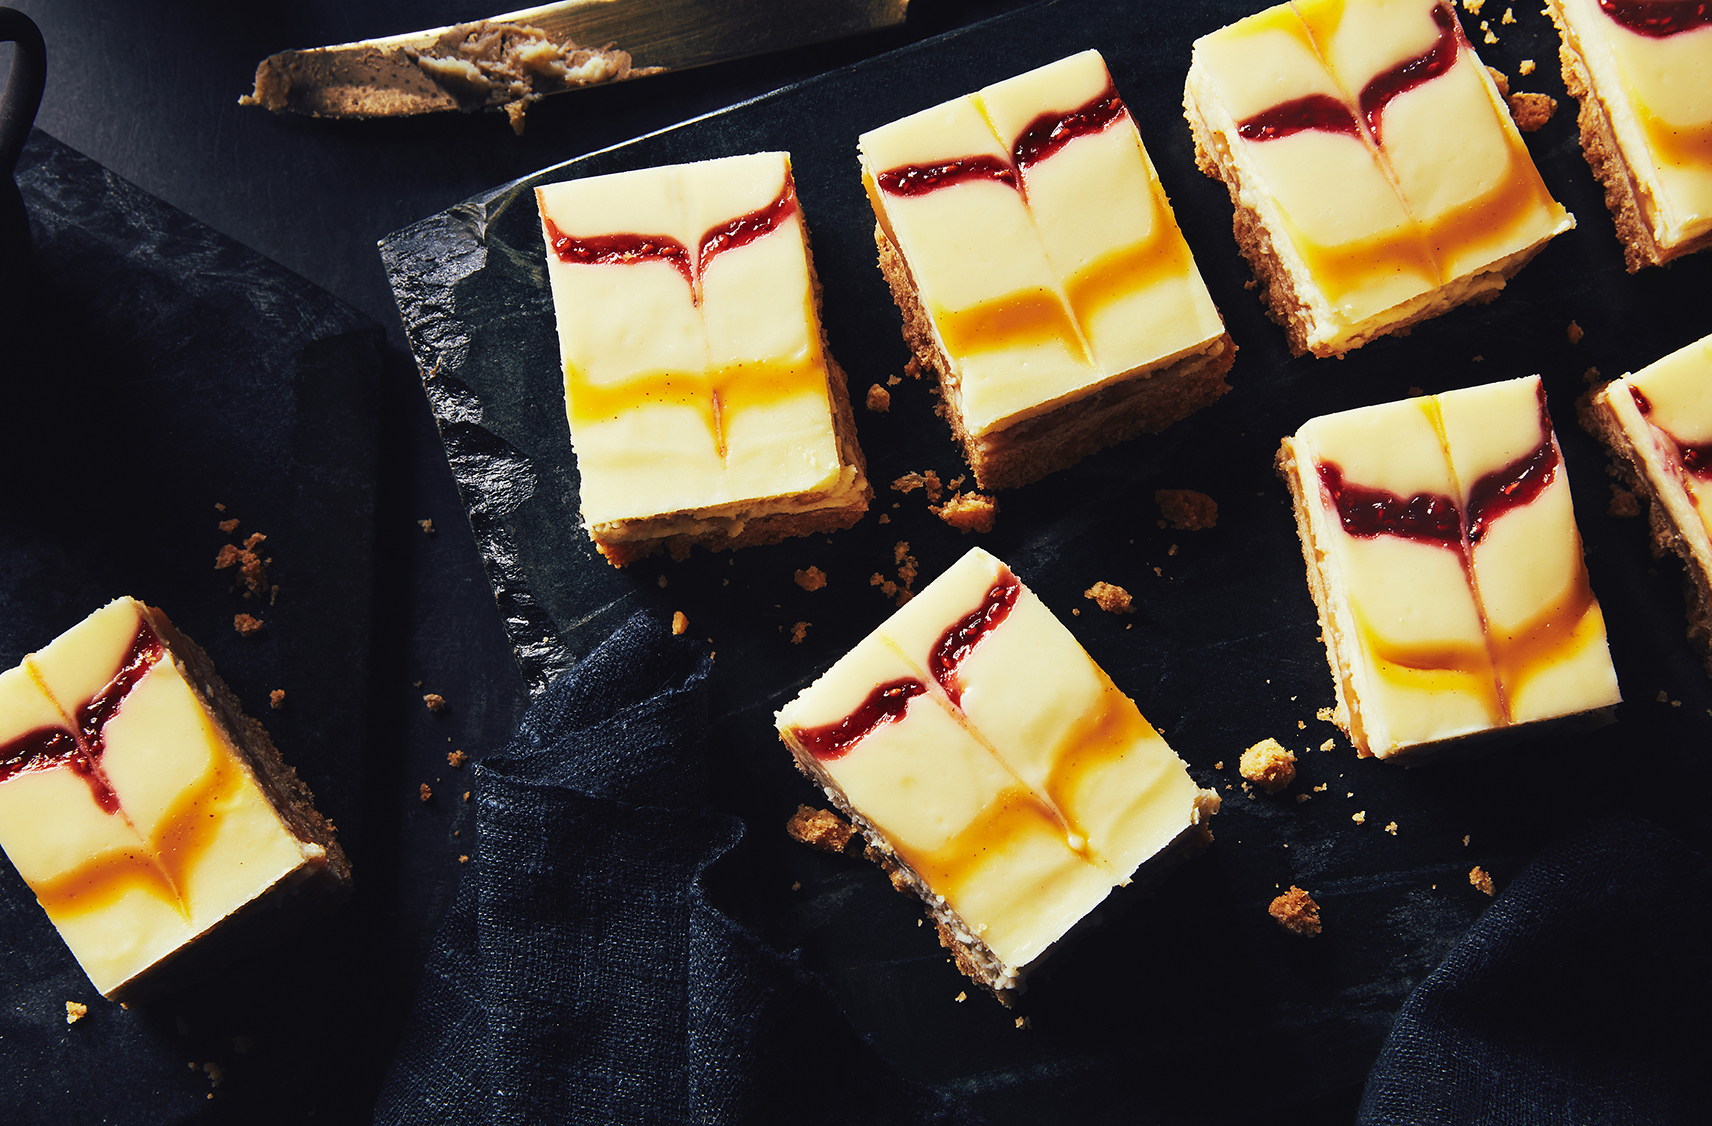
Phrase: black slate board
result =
(1191, 1002)
(162, 368)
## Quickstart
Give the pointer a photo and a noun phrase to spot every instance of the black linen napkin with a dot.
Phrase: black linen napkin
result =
(1580, 996)
(582, 975)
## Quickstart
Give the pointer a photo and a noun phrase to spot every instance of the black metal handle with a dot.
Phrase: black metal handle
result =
(24, 88)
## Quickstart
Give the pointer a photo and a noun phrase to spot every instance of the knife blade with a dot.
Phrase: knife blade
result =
(507, 61)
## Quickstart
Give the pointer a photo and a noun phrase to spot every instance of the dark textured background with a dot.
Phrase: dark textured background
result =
(1244, 1025)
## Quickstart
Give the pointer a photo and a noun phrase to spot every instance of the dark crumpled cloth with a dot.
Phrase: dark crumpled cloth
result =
(1579, 997)
(581, 974)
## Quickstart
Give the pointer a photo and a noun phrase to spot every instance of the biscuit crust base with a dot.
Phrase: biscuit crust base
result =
(1284, 295)
(1019, 454)
(1664, 532)
(1623, 193)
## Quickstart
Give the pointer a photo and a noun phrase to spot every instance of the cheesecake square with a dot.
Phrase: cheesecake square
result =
(995, 769)
(1642, 77)
(1040, 272)
(1446, 566)
(1657, 422)
(154, 821)
(703, 405)
(1376, 175)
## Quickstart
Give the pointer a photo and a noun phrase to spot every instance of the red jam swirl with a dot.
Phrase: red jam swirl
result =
(1696, 457)
(1327, 114)
(1658, 19)
(1368, 512)
(625, 249)
(1514, 486)
(958, 642)
(885, 704)
(48, 747)
(1316, 111)
(920, 179)
(888, 702)
(1050, 132)
(1407, 75)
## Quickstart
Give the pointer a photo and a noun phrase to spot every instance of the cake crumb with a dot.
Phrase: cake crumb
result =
(1472, 7)
(680, 623)
(879, 399)
(1574, 333)
(913, 368)
(1465, 838)
(1663, 696)
(466, 795)
(229, 526)
(1489, 37)
(436, 703)
(798, 632)
(811, 578)
(246, 625)
(661, 581)
(1296, 912)
(1532, 111)
(276, 699)
(218, 507)
(894, 380)
(1624, 504)
(1110, 597)
(425, 791)
(1391, 827)
(463, 858)
(456, 759)
(1478, 877)
(75, 1011)
(962, 996)
(1326, 715)
(1269, 765)
(1525, 67)
(1022, 1022)
(819, 828)
(1300, 726)
(1359, 817)
(1300, 798)
(968, 512)
(885, 518)
(1321, 788)
(427, 527)
(1508, 17)
(1502, 81)
(214, 1073)
(1187, 509)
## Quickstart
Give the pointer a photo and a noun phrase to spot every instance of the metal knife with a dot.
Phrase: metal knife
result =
(508, 61)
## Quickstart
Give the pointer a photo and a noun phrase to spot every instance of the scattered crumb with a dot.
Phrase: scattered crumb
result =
(1300, 798)
(1624, 504)
(1251, 283)
(1663, 696)
(811, 578)
(879, 399)
(229, 526)
(1321, 788)
(1187, 509)
(1300, 726)
(466, 795)
(894, 380)
(910, 482)
(457, 759)
(426, 792)
(1525, 67)
(215, 1074)
(1478, 877)
(680, 623)
(463, 858)
(1509, 16)
(1502, 81)
(798, 632)
(1220, 765)
(75, 1011)
(1296, 912)
(1487, 28)
(1326, 715)
(436, 702)
(1075, 612)
(427, 527)
(1391, 827)
(885, 518)
(1590, 376)
(276, 699)
(1532, 111)
(662, 581)
(1574, 333)
(1269, 765)
(796, 885)
(819, 828)
(968, 512)
(218, 507)
(1022, 1022)
(1465, 840)
(962, 996)
(913, 369)
(1359, 817)
(1110, 597)
(246, 625)
(1472, 7)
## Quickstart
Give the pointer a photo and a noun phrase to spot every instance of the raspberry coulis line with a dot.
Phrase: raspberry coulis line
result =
(48, 747)
(625, 248)
(1658, 19)
(1040, 139)
(1328, 114)
(887, 702)
(1696, 457)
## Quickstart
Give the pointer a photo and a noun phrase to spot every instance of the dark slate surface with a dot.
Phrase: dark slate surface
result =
(1191, 1002)
(164, 368)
